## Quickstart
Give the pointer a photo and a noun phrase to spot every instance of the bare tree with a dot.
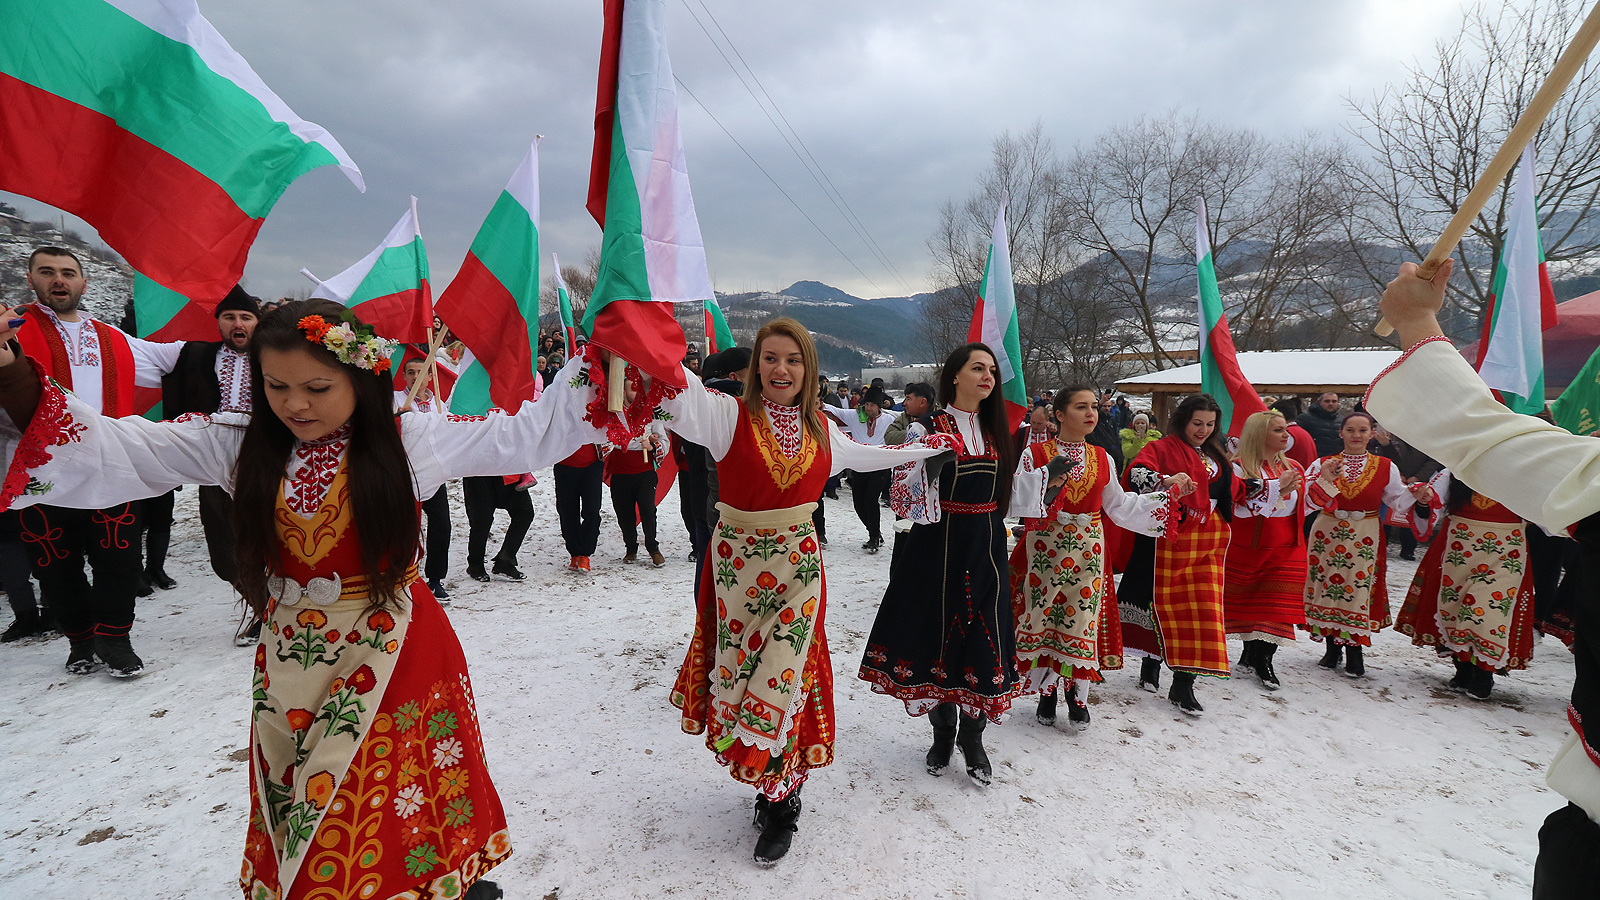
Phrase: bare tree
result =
(1432, 135)
(580, 282)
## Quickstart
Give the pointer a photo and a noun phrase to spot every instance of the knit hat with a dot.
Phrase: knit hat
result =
(238, 301)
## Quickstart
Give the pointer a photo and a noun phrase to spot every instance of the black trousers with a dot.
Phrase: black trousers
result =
(866, 488)
(483, 495)
(61, 540)
(15, 573)
(436, 509)
(633, 498)
(216, 520)
(1568, 867)
(578, 506)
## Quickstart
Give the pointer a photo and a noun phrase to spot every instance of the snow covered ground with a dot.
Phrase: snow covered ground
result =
(1390, 786)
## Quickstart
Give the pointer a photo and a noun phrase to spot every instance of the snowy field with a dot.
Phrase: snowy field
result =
(1390, 786)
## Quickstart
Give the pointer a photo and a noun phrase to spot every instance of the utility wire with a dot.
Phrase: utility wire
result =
(834, 197)
(848, 211)
(775, 183)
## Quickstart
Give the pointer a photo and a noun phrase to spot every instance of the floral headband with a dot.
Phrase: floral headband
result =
(360, 347)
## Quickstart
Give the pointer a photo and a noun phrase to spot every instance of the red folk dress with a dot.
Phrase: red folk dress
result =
(1264, 586)
(1346, 598)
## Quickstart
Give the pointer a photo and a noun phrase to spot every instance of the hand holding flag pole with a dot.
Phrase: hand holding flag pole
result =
(1527, 125)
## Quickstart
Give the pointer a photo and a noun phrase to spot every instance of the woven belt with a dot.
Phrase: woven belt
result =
(970, 508)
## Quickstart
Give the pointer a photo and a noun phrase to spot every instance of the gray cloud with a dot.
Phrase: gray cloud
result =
(898, 99)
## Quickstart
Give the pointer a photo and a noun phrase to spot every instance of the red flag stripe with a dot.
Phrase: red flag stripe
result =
(605, 109)
(644, 333)
(401, 316)
(483, 314)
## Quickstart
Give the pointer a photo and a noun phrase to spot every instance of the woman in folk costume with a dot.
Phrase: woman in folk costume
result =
(1346, 598)
(1472, 596)
(944, 640)
(1067, 623)
(368, 777)
(1171, 592)
(757, 678)
(1264, 584)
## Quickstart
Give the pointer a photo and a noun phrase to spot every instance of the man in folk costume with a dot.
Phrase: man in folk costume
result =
(102, 366)
(436, 553)
(211, 377)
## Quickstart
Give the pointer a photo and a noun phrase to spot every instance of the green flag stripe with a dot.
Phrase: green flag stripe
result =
(508, 246)
(470, 396)
(396, 269)
(623, 272)
(161, 91)
(154, 304)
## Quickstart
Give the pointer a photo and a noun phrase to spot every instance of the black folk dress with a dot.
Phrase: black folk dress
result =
(945, 632)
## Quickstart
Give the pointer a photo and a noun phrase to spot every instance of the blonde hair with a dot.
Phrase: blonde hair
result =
(793, 330)
(1252, 452)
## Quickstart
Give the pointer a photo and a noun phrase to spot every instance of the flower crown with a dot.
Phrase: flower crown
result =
(354, 346)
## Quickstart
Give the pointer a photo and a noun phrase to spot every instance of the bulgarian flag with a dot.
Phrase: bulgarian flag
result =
(1220, 375)
(994, 319)
(564, 301)
(1521, 304)
(651, 253)
(162, 314)
(719, 336)
(136, 116)
(388, 289)
(492, 305)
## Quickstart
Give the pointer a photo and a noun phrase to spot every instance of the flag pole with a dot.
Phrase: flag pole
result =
(433, 352)
(1567, 66)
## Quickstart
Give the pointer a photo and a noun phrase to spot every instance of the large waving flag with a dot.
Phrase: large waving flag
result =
(1521, 304)
(994, 319)
(651, 253)
(138, 117)
(492, 304)
(569, 328)
(388, 289)
(719, 336)
(1220, 375)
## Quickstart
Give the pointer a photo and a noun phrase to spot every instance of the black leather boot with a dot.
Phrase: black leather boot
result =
(1247, 656)
(475, 571)
(1481, 685)
(1047, 707)
(1150, 674)
(1182, 694)
(1330, 657)
(483, 890)
(1077, 707)
(1263, 664)
(1354, 665)
(943, 720)
(155, 569)
(970, 738)
(1463, 676)
(778, 831)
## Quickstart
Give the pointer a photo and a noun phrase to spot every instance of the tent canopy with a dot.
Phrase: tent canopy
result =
(1568, 345)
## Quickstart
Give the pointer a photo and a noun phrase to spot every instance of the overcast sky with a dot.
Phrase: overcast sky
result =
(898, 99)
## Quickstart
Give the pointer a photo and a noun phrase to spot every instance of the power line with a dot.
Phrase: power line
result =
(775, 183)
(848, 210)
(813, 168)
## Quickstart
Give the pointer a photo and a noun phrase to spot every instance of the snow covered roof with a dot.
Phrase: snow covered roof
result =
(1280, 371)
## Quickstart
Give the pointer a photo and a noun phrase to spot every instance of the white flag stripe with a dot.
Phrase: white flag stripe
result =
(342, 286)
(524, 184)
(1516, 344)
(999, 292)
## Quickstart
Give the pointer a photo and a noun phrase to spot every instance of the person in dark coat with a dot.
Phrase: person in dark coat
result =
(1107, 437)
(1322, 422)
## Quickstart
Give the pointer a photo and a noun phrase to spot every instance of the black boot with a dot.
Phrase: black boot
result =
(1481, 684)
(1463, 676)
(1354, 665)
(943, 720)
(1330, 658)
(1077, 707)
(117, 653)
(970, 738)
(1182, 694)
(475, 571)
(80, 657)
(779, 829)
(1150, 674)
(1047, 707)
(1247, 656)
(483, 890)
(155, 569)
(508, 568)
(1263, 661)
(141, 585)
(27, 624)
(763, 810)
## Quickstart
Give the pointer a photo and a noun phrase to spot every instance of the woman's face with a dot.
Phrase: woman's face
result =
(1357, 431)
(311, 397)
(1077, 415)
(1200, 426)
(782, 369)
(975, 380)
(1278, 436)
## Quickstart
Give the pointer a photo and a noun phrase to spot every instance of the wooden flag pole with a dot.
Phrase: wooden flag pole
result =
(1566, 67)
(433, 350)
(614, 383)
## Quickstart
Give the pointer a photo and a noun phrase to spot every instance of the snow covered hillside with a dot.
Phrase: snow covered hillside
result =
(1390, 786)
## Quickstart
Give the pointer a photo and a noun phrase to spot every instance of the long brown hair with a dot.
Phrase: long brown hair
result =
(991, 415)
(377, 470)
(1179, 424)
(793, 330)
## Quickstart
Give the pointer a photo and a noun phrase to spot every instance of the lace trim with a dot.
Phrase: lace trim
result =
(48, 429)
(622, 428)
(1367, 397)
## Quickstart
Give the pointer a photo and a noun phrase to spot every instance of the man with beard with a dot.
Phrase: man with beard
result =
(101, 365)
(1321, 421)
(210, 377)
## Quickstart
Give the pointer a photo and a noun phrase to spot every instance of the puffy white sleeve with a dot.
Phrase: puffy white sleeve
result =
(1398, 497)
(1148, 514)
(847, 454)
(151, 360)
(541, 433)
(1028, 483)
(71, 455)
(702, 416)
(1437, 404)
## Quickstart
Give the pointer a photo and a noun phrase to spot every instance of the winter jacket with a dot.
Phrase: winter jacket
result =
(1323, 426)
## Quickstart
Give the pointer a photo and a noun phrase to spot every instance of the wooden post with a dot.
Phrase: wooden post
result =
(433, 348)
(1567, 66)
(614, 383)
